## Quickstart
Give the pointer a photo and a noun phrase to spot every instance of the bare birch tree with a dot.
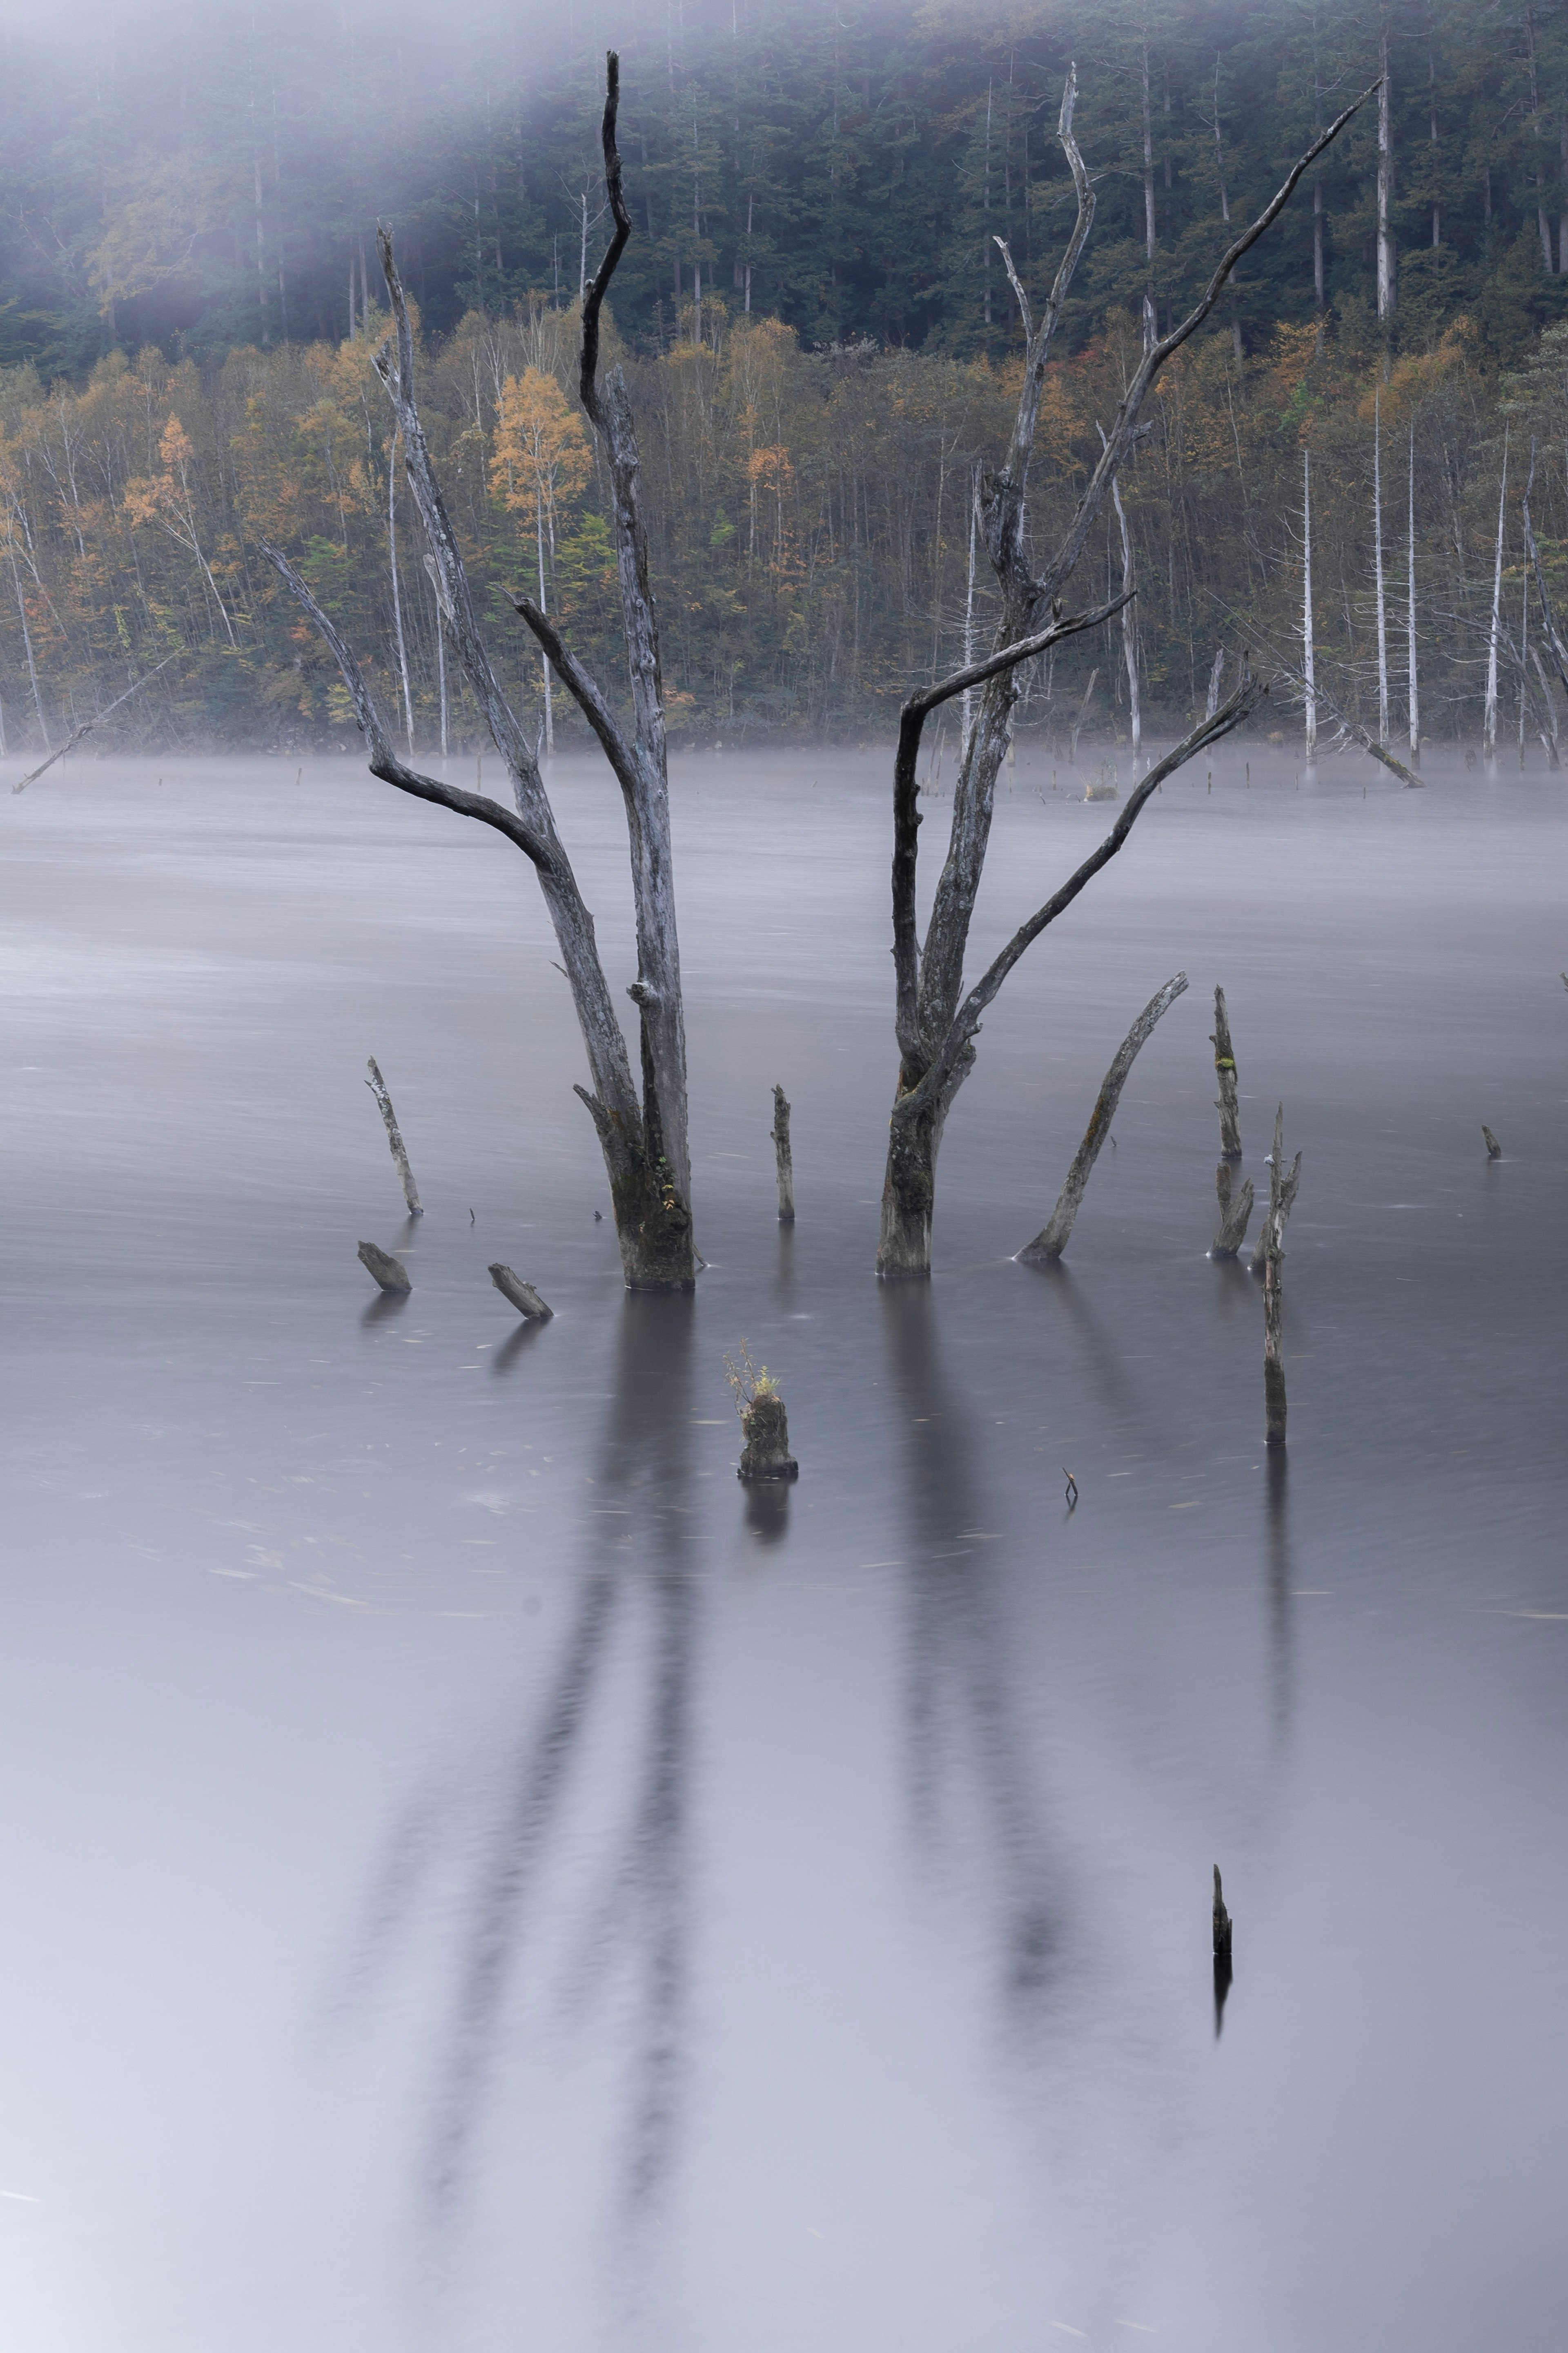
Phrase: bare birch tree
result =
(936, 1022)
(643, 1137)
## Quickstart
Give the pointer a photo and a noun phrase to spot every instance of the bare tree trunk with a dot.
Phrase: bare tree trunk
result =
(1211, 701)
(1225, 1071)
(1289, 1186)
(1273, 1290)
(397, 591)
(1052, 1239)
(783, 1164)
(1234, 1213)
(1128, 627)
(1384, 188)
(1415, 697)
(1488, 724)
(377, 1086)
(1309, 650)
(1377, 564)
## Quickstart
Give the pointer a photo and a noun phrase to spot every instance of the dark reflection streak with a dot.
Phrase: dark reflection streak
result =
(1132, 1409)
(511, 1347)
(959, 1652)
(384, 1306)
(518, 1853)
(408, 1857)
(1280, 1573)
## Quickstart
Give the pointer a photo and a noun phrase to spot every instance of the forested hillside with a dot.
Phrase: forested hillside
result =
(819, 333)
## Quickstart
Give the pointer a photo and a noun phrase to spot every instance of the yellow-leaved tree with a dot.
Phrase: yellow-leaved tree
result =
(541, 461)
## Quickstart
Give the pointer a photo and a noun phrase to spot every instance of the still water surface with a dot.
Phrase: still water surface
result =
(474, 1876)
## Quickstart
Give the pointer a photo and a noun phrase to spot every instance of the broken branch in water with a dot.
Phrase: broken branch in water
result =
(1049, 1243)
(88, 725)
(377, 1086)
(520, 1295)
(1071, 1488)
(786, 1165)
(1494, 1149)
(389, 1272)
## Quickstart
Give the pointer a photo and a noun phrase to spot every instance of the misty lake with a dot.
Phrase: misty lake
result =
(475, 1874)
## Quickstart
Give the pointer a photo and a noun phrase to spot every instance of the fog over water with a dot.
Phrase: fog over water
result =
(476, 1874)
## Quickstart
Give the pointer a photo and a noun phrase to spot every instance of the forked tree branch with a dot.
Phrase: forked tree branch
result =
(1121, 432)
(588, 359)
(906, 803)
(961, 1029)
(383, 761)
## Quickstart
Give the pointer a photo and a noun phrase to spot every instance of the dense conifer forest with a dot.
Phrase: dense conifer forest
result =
(821, 345)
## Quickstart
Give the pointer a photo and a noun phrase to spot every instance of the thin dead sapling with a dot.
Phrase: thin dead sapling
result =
(377, 1086)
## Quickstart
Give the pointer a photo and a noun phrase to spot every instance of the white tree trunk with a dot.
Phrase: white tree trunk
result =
(1410, 613)
(1384, 189)
(397, 592)
(1489, 726)
(1309, 662)
(1377, 566)
(543, 607)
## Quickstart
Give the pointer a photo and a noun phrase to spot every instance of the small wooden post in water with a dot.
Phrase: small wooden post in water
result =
(1273, 1293)
(520, 1295)
(780, 1133)
(377, 1086)
(389, 1272)
(1049, 1243)
(1224, 1070)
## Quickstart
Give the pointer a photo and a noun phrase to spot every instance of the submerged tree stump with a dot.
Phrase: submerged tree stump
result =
(780, 1133)
(1273, 1295)
(1288, 1191)
(1494, 1149)
(1221, 1923)
(765, 1428)
(377, 1086)
(520, 1294)
(1052, 1239)
(389, 1272)
(1225, 1070)
(1235, 1214)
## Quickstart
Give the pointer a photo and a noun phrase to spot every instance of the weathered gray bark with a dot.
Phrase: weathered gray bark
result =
(765, 1427)
(377, 1086)
(1287, 1192)
(389, 1272)
(786, 1165)
(1052, 1239)
(935, 1028)
(1224, 1072)
(1494, 1149)
(1234, 1213)
(1211, 703)
(1274, 1293)
(643, 1137)
(520, 1294)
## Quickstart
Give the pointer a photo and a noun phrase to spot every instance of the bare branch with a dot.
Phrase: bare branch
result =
(1018, 285)
(1122, 431)
(383, 761)
(588, 363)
(966, 1021)
(906, 806)
(583, 689)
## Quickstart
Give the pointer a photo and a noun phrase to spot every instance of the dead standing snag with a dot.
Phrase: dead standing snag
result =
(377, 1086)
(1049, 1243)
(1273, 1289)
(643, 1137)
(1224, 1072)
(935, 1022)
(785, 1164)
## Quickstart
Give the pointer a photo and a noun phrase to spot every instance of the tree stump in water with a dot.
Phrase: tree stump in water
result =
(1225, 1070)
(780, 1133)
(765, 1428)
(1288, 1191)
(389, 1272)
(1234, 1214)
(520, 1295)
(1274, 1293)
(1221, 1923)
(1494, 1149)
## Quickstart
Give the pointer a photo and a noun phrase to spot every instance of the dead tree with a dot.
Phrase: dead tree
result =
(1234, 1213)
(1225, 1073)
(377, 1086)
(1049, 1243)
(935, 1021)
(1288, 1189)
(643, 1136)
